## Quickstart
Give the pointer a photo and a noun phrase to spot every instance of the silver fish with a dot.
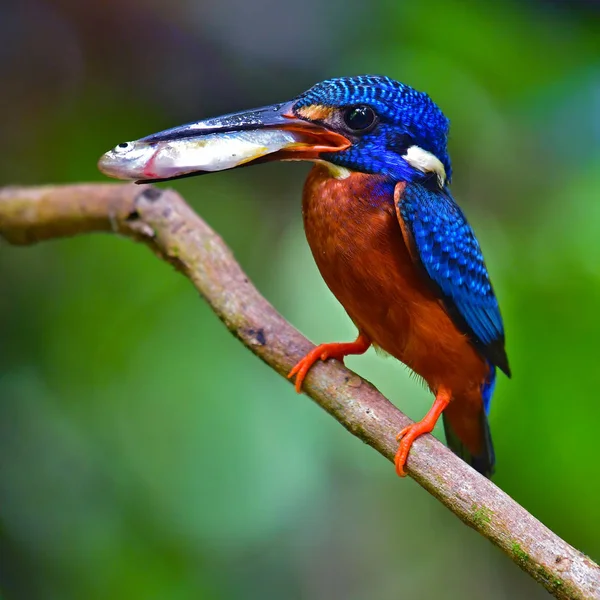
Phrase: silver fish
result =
(141, 160)
(220, 143)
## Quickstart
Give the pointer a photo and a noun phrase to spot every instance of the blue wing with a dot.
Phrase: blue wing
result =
(447, 248)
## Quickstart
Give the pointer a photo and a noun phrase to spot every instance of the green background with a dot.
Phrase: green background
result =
(144, 453)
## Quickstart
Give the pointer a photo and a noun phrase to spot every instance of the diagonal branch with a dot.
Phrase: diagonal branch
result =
(165, 223)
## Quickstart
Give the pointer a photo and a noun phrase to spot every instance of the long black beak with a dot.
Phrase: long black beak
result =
(257, 118)
(225, 142)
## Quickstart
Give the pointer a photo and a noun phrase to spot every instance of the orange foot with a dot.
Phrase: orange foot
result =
(409, 434)
(325, 351)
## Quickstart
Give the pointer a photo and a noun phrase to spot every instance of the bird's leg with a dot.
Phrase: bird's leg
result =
(324, 351)
(409, 434)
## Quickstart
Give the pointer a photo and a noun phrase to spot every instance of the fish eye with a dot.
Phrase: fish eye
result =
(359, 118)
(123, 146)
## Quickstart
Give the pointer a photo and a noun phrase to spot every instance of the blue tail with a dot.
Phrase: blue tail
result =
(484, 462)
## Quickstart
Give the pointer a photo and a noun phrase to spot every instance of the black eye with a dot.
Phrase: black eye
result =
(123, 145)
(359, 118)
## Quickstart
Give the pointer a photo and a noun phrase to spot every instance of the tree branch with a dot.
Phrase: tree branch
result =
(165, 223)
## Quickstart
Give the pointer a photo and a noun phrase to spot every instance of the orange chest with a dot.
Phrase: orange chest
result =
(347, 221)
(356, 240)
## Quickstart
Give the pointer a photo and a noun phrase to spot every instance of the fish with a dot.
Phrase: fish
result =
(218, 144)
(141, 160)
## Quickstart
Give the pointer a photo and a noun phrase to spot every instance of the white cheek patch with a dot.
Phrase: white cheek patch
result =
(426, 162)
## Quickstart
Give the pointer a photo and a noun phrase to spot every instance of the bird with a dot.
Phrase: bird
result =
(387, 236)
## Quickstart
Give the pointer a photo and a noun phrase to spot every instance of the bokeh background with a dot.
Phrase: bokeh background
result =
(144, 453)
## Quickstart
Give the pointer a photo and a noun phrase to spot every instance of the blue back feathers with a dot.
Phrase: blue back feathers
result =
(404, 113)
(487, 389)
(451, 256)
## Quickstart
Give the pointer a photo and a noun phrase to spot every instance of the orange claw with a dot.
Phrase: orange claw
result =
(325, 351)
(409, 434)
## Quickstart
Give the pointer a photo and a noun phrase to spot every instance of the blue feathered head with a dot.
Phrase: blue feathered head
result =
(395, 130)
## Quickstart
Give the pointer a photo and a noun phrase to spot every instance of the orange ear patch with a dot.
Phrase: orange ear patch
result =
(316, 112)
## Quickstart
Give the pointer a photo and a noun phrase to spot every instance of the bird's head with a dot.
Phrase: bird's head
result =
(394, 130)
(370, 124)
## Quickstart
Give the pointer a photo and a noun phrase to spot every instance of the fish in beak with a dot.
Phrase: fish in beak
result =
(260, 135)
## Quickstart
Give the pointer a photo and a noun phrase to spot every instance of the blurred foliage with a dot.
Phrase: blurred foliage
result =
(144, 453)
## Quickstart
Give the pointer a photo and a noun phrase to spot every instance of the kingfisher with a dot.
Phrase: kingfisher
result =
(388, 238)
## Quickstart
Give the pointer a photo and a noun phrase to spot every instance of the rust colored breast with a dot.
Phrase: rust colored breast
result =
(356, 240)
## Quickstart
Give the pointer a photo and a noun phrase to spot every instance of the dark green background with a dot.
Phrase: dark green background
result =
(144, 453)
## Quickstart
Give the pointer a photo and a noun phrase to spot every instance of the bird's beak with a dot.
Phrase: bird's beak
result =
(259, 135)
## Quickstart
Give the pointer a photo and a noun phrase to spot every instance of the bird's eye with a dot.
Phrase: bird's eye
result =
(359, 118)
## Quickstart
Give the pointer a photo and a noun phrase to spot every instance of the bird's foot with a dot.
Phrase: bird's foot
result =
(325, 351)
(410, 433)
